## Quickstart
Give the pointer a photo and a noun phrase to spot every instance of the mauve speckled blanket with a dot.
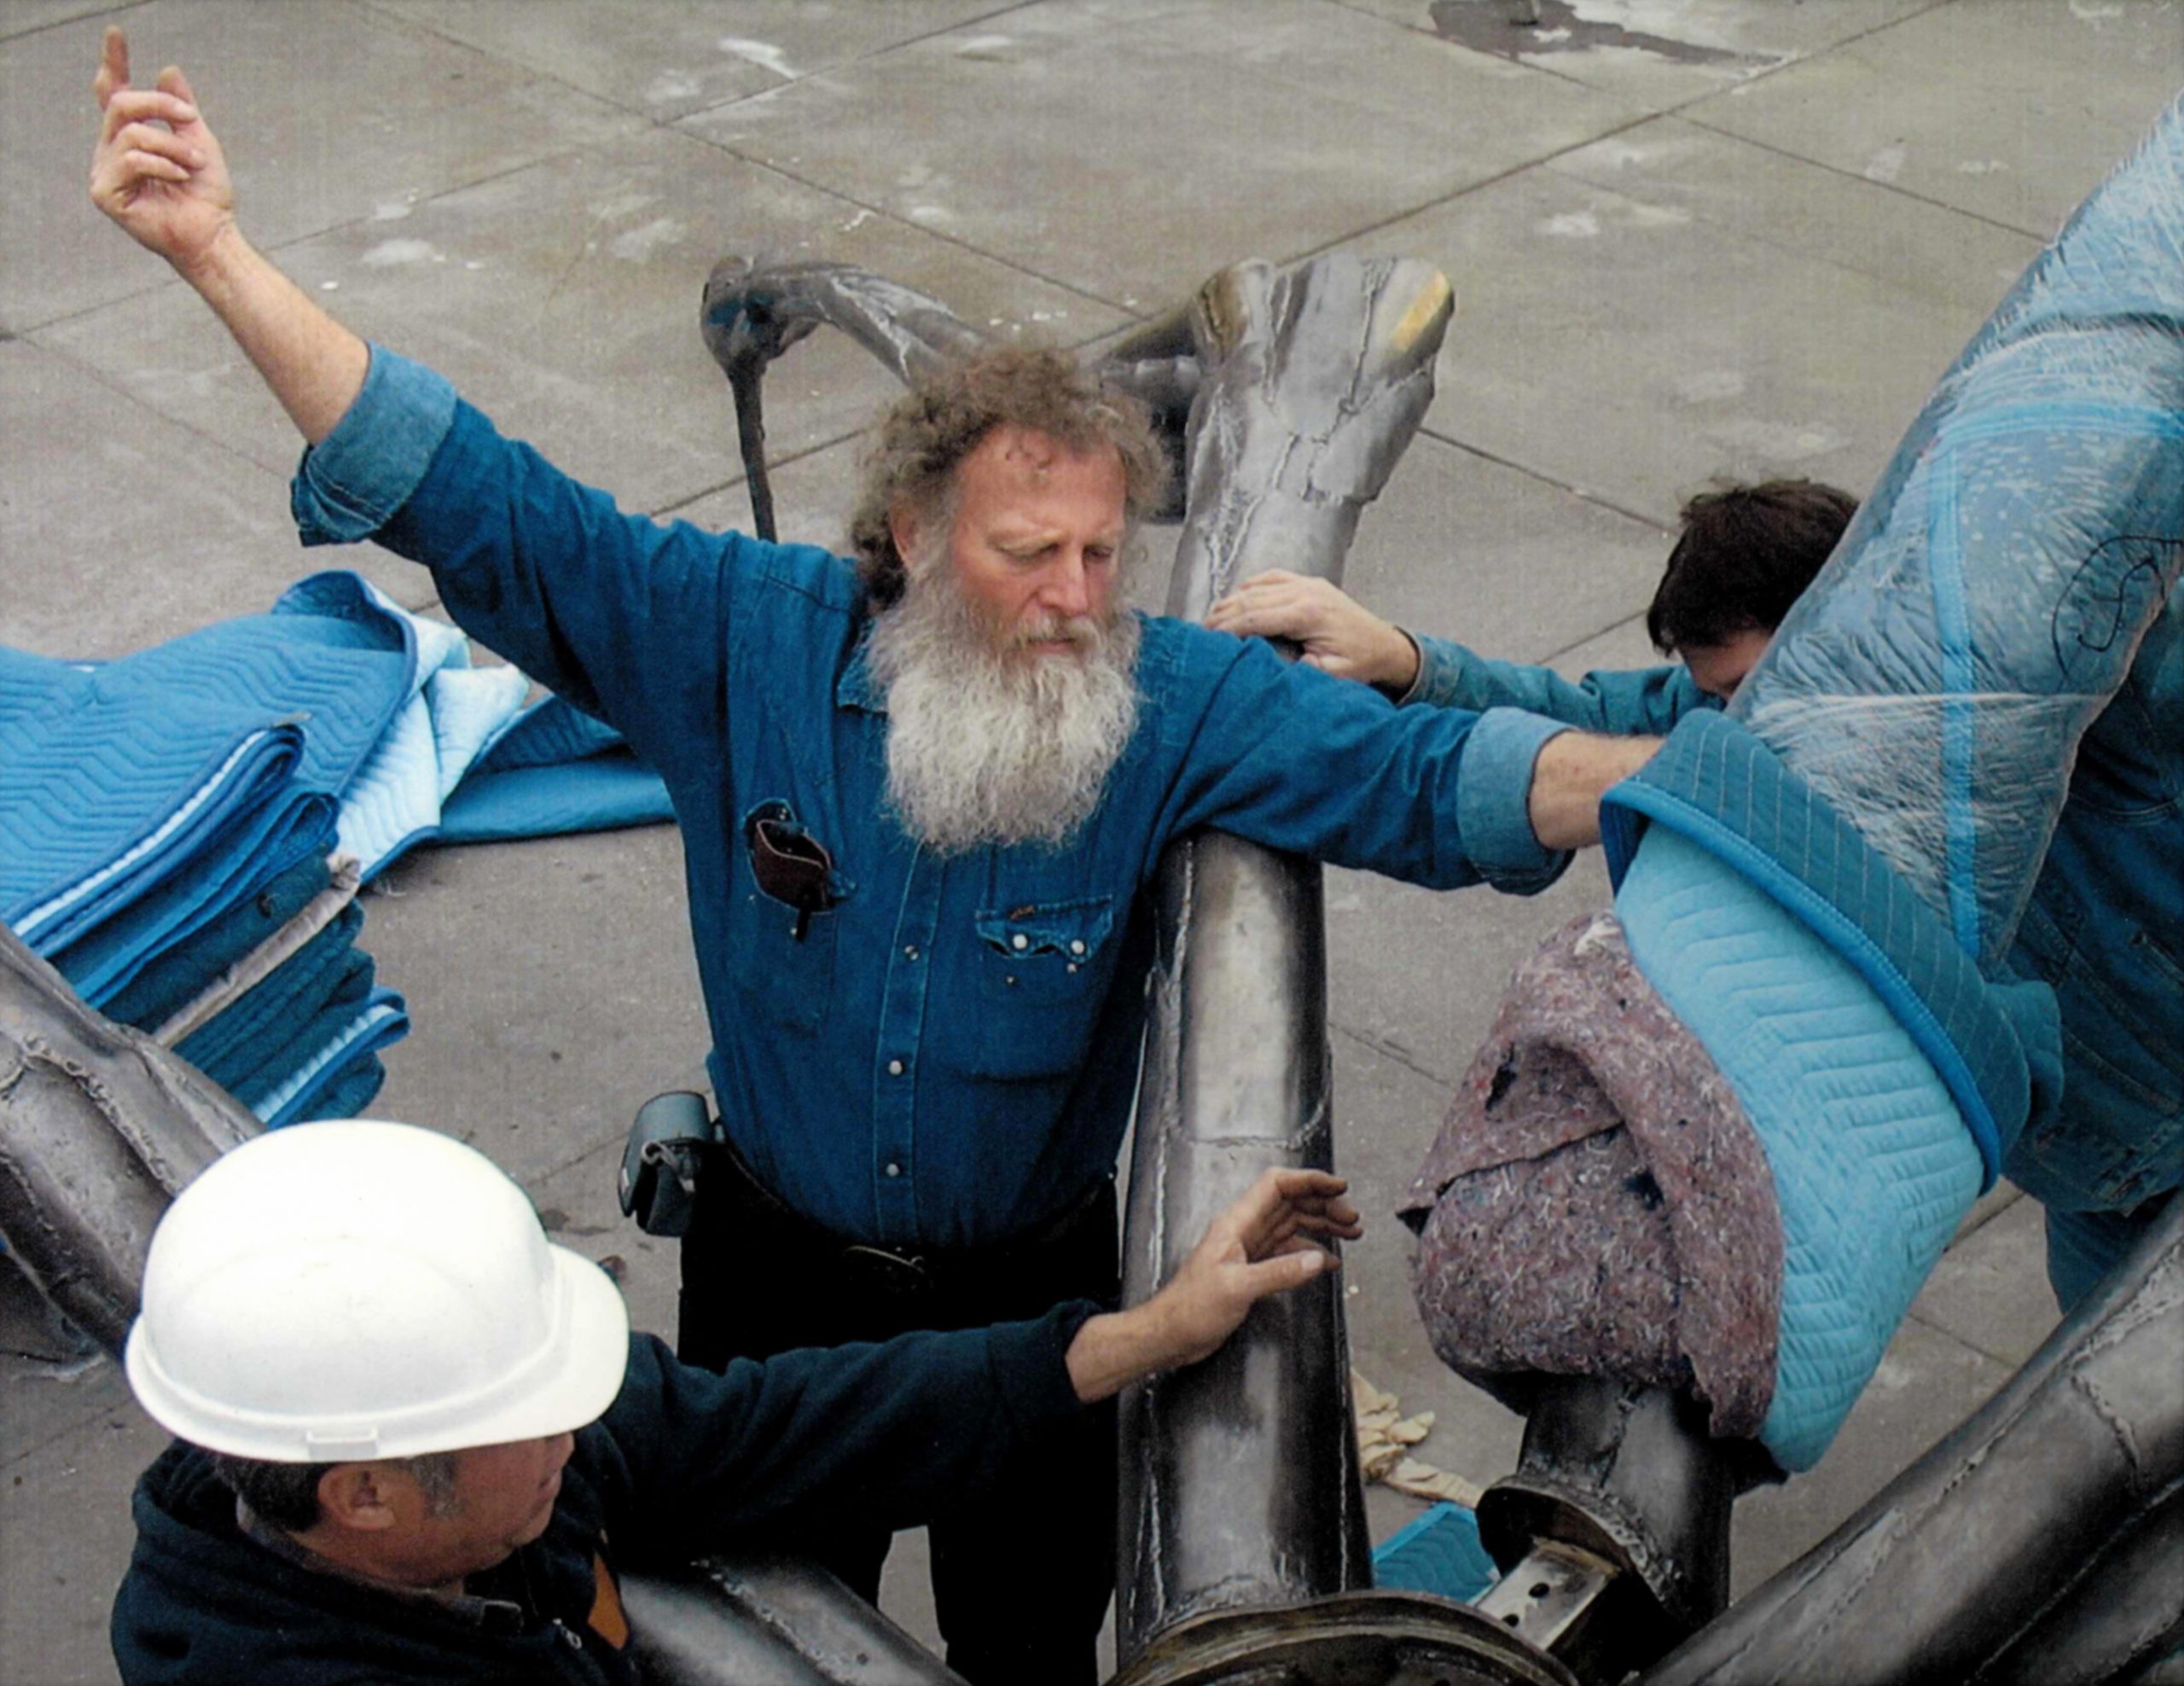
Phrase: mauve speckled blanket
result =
(1596, 1202)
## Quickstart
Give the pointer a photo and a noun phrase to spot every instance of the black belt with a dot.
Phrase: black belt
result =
(803, 1242)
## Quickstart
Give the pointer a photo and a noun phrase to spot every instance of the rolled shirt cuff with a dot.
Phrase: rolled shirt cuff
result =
(349, 485)
(1493, 802)
(1440, 671)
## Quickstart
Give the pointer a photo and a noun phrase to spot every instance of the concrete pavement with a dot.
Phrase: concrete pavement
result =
(1688, 238)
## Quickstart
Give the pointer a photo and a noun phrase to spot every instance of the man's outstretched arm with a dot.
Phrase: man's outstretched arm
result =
(1342, 637)
(158, 171)
(1572, 773)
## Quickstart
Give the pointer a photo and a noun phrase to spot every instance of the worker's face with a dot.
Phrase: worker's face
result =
(503, 1499)
(1719, 669)
(1035, 544)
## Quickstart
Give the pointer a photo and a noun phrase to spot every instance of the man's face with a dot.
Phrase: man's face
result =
(503, 1499)
(1719, 669)
(1037, 540)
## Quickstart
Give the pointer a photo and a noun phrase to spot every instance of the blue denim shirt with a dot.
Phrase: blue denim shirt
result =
(949, 1057)
(2104, 928)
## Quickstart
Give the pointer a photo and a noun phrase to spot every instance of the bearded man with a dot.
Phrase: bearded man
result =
(922, 798)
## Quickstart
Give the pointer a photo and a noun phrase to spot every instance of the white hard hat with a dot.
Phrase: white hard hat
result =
(341, 1292)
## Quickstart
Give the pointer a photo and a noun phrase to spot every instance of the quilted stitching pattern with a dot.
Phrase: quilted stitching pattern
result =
(1714, 776)
(1871, 1163)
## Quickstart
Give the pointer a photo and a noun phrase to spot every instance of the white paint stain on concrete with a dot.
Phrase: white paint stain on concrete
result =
(1573, 225)
(2086, 11)
(763, 54)
(617, 206)
(1711, 386)
(391, 210)
(856, 222)
(1775, 441)
(1644, 216)
(670, 85)
(1622, 154)
(990, 47)
(1887, 164)
(636, 245)
(1982, 166)
(389, 255)
(931, 214)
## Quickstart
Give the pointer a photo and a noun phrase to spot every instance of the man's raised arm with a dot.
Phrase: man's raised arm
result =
(158, 171)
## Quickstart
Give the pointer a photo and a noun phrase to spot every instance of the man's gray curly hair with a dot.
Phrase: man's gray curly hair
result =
(913, 460)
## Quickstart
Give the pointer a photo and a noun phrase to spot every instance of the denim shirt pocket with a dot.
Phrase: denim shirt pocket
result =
(1043, 951)
(1042, 968)
(784, 963)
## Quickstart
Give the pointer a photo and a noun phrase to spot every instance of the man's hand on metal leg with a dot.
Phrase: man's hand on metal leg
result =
(1266, 1243)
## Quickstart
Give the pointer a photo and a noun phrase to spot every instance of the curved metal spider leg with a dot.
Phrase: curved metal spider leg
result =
(99, 1127)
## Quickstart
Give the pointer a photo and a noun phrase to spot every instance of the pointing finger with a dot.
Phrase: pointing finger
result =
(113, 66)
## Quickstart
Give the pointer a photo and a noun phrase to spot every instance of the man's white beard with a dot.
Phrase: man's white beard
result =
(989, 742)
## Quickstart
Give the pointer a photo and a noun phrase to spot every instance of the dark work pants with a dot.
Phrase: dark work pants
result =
(1022, 1571)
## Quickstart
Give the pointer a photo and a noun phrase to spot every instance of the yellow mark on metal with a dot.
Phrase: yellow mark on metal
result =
(1425, 310)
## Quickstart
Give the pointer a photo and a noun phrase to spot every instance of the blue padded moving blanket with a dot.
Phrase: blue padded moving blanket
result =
(168, 811)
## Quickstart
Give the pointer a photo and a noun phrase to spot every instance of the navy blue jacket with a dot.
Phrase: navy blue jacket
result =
(683, 1461)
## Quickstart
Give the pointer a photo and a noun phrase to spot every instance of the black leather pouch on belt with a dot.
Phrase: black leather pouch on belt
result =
(661, 1161)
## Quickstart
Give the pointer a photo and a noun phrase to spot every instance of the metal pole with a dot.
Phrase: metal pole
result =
(1239, 1479)
(758, 1619)
(1980, 1544)
(99, 1126)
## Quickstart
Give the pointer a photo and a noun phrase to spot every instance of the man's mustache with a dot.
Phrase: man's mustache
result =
(1081, 631)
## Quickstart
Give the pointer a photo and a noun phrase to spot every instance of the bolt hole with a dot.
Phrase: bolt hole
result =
(1541, 1589)
(1509, 1620)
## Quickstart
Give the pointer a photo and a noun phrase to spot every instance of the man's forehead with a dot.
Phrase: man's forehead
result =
(1013, 454)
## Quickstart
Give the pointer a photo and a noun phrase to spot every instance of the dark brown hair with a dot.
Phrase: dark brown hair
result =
(1745, 555)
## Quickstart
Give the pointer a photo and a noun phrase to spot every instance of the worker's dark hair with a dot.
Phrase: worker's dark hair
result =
(1746, 554)
(923, 438)
(286, 1495)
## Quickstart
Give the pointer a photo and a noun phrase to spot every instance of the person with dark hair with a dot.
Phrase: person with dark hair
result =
(416, 1441)
(1745, 555)
(2106, 940)
(922, 797)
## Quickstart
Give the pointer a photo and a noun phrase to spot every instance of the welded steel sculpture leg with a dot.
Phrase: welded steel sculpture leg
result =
(1983, 1561)
(1615, 1528)
(1241, 1490)
(99, 1126)
(751, 313)
(763, 1620)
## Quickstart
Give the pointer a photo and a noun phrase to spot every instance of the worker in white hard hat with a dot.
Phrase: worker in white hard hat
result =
(416, 1441)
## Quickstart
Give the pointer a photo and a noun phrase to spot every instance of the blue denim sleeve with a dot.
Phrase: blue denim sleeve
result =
(1645, 700)
(350, 483)
(1493, 802)
(1346, 778)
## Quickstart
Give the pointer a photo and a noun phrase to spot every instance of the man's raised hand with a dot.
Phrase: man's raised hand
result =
(1338, 634)
(158, 171)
